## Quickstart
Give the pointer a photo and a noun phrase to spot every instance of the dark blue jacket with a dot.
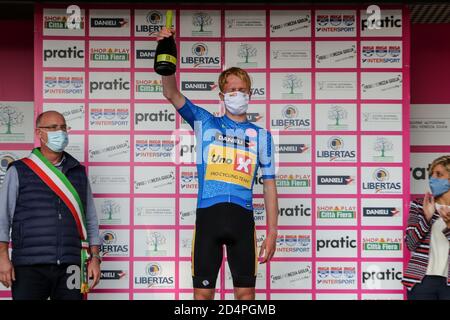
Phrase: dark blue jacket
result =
(43, 229)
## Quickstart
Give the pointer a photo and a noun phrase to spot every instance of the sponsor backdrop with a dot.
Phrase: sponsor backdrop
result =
(334, 93)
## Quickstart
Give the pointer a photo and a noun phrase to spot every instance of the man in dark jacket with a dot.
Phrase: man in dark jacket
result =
(47, 204)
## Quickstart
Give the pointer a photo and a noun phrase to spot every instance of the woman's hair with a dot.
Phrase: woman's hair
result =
(238, 72)
(443, 161)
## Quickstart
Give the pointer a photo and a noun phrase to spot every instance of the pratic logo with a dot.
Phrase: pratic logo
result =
(186, 149)
(109, 54)
(340, 243)
(335, 151)
(59, 22)
(113, 116)
(336, 275)
(148, 85)
(291, 148)
(378, 274)
(382, 184)
(117, 84)
(64, 53)
(110, 247)
(420, 173)
(198, 85)
(112, 22)
(294, 243)
(161, 116)
(199, 57)
(335, 180)
(154, 277)
(382, 244)
(336, 212)
(295, 211)
(388, 22)
(293, 181)
(376, 54)
(291, 119)
(154, 20)
(382, 212)
(335, 22)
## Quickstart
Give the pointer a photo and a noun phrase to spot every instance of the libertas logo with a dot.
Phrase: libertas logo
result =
(200, 57)
(336, 144)
(198, 85)
(154, 277)
(154, 20)
(334, 180)
(382, 184)
(291, 119)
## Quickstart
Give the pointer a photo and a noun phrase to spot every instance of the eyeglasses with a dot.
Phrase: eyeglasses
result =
(56, 127)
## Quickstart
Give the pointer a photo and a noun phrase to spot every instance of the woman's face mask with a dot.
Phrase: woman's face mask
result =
(439, 186)
(236, 102)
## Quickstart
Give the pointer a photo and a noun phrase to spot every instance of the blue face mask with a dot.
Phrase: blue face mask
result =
(439, 186)
(57, 140)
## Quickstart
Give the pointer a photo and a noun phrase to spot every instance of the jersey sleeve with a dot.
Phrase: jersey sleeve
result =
(266, 154)
(192, 113)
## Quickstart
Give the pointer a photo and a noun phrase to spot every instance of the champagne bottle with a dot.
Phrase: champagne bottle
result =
(166, 52)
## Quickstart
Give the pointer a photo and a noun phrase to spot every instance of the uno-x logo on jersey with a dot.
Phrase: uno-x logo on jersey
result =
(230, 165)
(243, 164)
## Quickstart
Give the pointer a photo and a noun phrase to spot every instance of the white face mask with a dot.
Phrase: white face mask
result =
(441, 206)
(236, 102)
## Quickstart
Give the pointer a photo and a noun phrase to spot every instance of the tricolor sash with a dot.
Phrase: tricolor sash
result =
(59, 184)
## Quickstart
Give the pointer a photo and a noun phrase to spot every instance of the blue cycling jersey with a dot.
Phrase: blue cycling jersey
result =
(229, 154)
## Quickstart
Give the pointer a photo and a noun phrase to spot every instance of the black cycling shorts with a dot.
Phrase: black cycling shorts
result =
(224, 224)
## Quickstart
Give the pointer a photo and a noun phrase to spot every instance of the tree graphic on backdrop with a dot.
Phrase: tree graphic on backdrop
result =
(109, 208)
(382, 144)
(201, 19)
(337, 113)
(10, 117)
(246, 51)
(155, 239)
(291, 82)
